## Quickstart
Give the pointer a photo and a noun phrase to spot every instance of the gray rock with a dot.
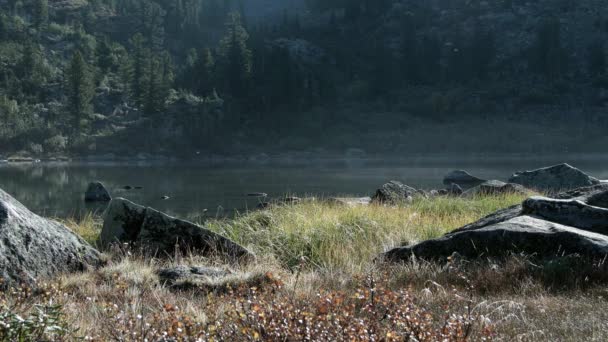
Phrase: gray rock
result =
(96, 192)
(525, 234)
(495, 187)
(32, 247)
(351, 201)
(160, 233)
(542, 226)
(394, 193)
(573, 212)
(462, 178)
(122, 221)
(455, 190)
(554, 178)
(494, 218)
(171, 275)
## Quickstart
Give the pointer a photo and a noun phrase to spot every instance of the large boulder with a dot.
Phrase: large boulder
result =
(573, 212)
(554, 178)
(160, 234)
(462, 178)
(394, 193)
(495, 188)
(525, 234)
(97, 192)
(122, 221)
(32, 247)
(570, 224)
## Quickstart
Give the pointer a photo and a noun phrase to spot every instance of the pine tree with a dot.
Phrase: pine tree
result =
(168, 76)
(105, 60)
(138, 71)
(79, 88)
(154, 97)
(41, 14)
(236, 57)
(204, 71)
(3, 27)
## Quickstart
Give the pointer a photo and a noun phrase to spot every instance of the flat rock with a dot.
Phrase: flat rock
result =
(351, 201)
(394, 193)
(462, 178)
(572, 212)
(554, 178)
(171, 275)
(32, 247)
(573, 223)
(525, 234)
(97, 192)
(161, 234)
(494, 188)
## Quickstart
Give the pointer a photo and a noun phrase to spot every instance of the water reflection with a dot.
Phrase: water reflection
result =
(198, 190)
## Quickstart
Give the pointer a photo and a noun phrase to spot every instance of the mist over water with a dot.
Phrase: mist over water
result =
(199, 190)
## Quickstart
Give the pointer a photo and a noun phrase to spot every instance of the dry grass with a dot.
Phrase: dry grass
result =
(316, 280)
(337, 237)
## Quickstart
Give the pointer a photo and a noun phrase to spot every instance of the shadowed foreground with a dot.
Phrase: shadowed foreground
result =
(316, 279)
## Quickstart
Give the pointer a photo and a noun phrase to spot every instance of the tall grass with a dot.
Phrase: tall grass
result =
(330, 236)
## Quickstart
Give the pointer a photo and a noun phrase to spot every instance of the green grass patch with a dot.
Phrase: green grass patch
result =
(332, 237)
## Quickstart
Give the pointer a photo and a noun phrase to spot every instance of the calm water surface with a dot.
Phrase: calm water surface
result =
(57, 189)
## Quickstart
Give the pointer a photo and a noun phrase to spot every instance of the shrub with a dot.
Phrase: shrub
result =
(57, 143)
(35, 148)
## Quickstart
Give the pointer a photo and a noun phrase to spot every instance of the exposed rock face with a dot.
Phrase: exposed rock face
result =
(521, 234)
(462, 178)
(394, 193)
(575, 213)
(97, 192)
(159, 233)
(540, 226)
(32, 247)
(495, 187)
(554, 178)
(122, 221)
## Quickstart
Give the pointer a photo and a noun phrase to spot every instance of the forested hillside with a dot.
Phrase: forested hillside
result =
(83, 77)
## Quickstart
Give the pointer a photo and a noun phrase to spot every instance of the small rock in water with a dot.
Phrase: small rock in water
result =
(97, 192)
(257, 194)
(128, 187)
(165, 197)
(462, 178)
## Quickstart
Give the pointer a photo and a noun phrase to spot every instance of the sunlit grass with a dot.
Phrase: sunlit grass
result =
(88, 227)
(331, 236)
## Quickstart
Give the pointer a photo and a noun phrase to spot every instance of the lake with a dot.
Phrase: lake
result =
(57, 189)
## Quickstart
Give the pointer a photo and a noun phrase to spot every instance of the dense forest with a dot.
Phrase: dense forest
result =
(184, 77)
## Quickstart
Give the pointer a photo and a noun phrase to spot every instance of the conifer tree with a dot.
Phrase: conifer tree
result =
(236, 57)
(41, 14)
(154, 97)
(79, 89)
(138, 71)
(204, 70)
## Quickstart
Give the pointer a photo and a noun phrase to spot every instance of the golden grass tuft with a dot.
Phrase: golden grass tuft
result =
(331, 236)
